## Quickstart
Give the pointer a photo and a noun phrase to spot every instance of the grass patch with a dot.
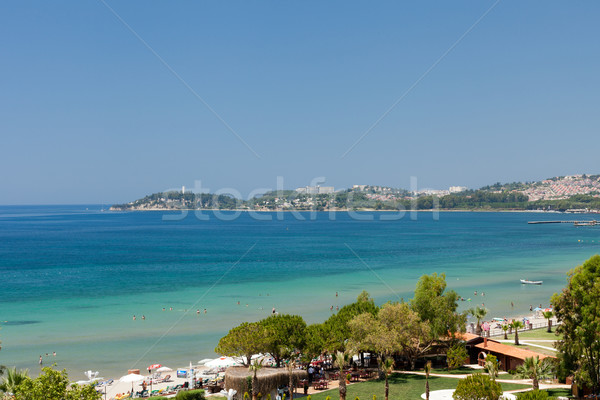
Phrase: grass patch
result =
(402, 386)
(559, 392)
(536, 334)
(458, 371)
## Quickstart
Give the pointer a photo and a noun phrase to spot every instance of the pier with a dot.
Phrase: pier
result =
(576, 223)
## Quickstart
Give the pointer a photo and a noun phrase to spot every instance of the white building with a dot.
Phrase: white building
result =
(316, 190)
(457, 189)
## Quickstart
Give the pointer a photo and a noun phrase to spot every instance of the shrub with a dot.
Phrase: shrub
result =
(534, 395)
(157, 398)
(191, 395)
(477, 387)
(456, 356)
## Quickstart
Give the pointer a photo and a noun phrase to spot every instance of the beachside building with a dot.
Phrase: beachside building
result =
(457, 189)
(509, 357)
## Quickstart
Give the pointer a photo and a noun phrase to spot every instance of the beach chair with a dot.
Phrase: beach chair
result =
(167, 378)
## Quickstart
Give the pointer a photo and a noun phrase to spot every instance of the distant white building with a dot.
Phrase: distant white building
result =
(359, 187)
(183, 190)
(457, 189)
(316, 190)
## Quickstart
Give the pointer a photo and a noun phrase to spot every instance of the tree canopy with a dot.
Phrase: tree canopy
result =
(438, 307)
(578, 308)
(283, 333)
(245, 340)
(53, 385)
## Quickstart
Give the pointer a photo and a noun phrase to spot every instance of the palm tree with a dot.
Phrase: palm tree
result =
(12, 380)
(340, 359)
(534, 369)
(516, 324)
(387, 366)
(290, 367)
(254, 367)
(479, 313)
(427, 371)
(505, 328)
(491, 366)
(548, 315)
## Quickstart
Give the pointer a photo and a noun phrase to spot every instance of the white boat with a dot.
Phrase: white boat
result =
(528, 282)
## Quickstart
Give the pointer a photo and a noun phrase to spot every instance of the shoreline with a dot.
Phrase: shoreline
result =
(347, 210)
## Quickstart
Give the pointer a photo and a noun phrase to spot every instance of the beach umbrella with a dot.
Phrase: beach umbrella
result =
(155, 366)
(132, 378)
(222, 362)
(164, 369)
(498, 319)
(547, 309)
(537, 309)
(204, 361)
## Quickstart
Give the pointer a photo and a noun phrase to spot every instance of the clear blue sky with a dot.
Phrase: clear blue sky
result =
(88, 114)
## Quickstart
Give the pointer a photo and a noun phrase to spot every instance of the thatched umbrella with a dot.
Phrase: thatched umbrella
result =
(269, 379)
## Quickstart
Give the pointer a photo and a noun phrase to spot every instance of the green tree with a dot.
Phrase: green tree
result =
(505, 329)
(577, 310)
(479, 313)
(516, 325)
(456, 356)
(535, 369)
(12, 380)
(477, 387)
(548, 315)
(282, 333)
(337, 330)
(395, 329)
(437, 306)
(243, 340)
(53, 385)
(340, 360)
(314, 342)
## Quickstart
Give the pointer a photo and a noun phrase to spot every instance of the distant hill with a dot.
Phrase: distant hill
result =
(558, 194)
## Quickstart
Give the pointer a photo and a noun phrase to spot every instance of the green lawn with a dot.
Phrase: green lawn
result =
(559, 392)
(536, 334)
(402, 386)
(458, 371)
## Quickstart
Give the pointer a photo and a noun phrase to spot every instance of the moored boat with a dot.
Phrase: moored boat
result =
(528, 282)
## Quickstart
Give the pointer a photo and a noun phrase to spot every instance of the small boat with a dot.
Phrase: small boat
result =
(528, 282)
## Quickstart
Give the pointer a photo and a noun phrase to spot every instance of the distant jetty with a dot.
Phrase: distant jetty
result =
(576, 223)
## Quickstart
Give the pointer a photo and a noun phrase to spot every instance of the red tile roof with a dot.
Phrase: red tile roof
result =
(510, 351)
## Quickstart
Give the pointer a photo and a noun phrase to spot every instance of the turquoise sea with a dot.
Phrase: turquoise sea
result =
(73, 276)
